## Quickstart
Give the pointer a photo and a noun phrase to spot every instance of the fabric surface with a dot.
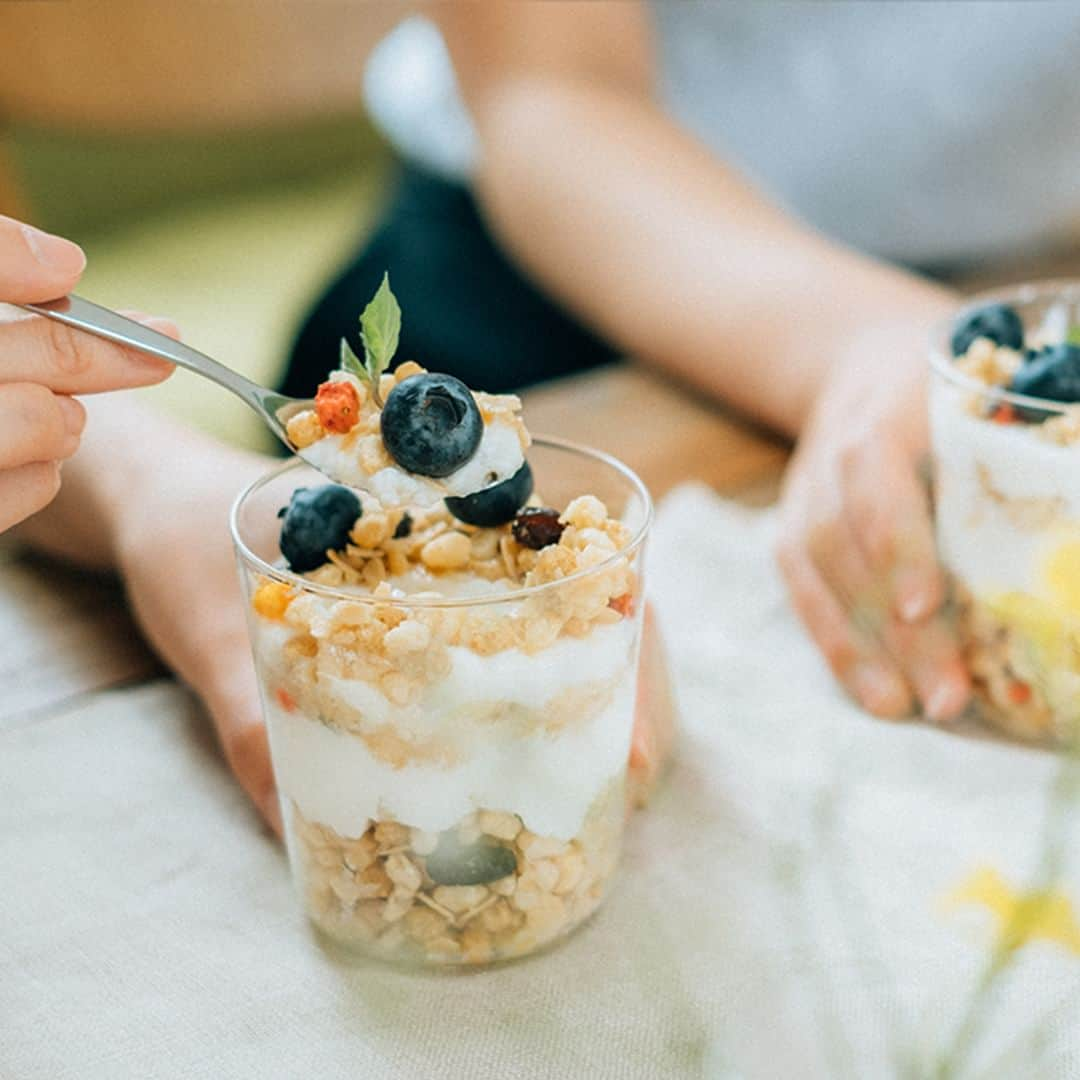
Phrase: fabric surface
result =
(779, 910)
(928, 133)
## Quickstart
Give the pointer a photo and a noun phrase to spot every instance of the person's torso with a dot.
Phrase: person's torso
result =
(925, 132)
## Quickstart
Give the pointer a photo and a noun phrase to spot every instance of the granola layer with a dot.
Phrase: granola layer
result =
(486, 889)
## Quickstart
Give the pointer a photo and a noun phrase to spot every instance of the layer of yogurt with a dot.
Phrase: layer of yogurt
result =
(498, 457)
(550, 779)
(1006, 498)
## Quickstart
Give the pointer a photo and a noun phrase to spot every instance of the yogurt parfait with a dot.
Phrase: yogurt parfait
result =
(1005, 428)
(448, 662)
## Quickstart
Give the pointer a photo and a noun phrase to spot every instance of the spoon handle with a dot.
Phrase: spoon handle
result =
(84, 315)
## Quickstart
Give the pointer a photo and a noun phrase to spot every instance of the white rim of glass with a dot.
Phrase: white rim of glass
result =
(943, 363)
(287, 577)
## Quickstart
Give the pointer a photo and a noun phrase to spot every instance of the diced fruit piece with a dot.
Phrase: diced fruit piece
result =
(431, 425)
(1005, 413)
(404, 526)
(453, 863)
(272, 599)
(1040, 621)
(998, 322)
(1019, 692)
(317, 520)
(285, 699)
(537, 526)
(1053, 373)
(337, 406)
(1061, 574)
(494, 505)
(624, 604)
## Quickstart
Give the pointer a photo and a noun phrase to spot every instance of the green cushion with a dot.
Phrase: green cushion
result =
(231, 238)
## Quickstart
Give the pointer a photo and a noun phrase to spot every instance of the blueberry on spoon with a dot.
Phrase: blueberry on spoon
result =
(431, 425)
(494, 505)
(316, 520)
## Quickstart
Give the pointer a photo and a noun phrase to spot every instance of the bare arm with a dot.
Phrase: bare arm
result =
(664, 248)
(687, 266)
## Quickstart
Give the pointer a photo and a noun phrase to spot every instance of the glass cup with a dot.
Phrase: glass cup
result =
(451, 771)
(1007, 499)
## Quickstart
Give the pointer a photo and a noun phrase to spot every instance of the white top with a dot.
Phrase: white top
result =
(923, 132)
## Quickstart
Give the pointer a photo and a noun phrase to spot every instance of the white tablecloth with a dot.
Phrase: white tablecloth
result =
(779, 911)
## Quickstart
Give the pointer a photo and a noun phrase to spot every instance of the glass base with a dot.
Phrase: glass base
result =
(485, 891)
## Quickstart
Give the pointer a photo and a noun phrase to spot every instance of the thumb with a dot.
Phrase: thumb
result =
(35, 265)
(237, 717)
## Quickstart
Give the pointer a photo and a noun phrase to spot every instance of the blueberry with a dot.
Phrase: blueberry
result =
(494, 505)
(998, 322)
(317, 519)
(452, 863)
(1052, 373)
(431, 425)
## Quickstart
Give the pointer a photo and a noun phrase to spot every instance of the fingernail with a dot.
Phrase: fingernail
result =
(54, 251)
(74, 414)
(946, 701)
(271, 809)
(915, 599)
(161, 325)
(879, 689)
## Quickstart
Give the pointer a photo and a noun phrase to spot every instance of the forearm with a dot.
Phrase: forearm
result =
(128, 452)
(643, 233)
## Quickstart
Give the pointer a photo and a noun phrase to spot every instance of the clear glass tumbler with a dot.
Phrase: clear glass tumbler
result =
(451, 771)
(1007, 502)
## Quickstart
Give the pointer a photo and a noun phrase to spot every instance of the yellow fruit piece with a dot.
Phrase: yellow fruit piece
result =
(1061, 574)
(1038, 620)
(271, 600)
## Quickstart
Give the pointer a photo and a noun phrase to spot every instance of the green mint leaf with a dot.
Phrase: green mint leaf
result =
(350, 362)
(380, 328)
(1073, 336)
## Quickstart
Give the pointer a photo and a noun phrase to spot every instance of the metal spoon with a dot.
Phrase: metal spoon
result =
(273, 408)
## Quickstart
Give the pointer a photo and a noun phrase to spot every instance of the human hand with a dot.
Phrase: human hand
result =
(174, 554)
(43, 363)
(857, 545)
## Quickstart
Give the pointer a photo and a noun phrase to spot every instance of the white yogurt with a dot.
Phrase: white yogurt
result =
(497, 458)
(511, 676)
(549, 779)
(980, 463)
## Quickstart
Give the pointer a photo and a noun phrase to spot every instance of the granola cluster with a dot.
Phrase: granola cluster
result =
(486, 890)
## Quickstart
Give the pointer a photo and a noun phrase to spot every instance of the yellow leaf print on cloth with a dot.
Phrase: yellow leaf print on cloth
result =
(1021, 916)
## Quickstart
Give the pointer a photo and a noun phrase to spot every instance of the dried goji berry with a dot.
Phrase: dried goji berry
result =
(337, 406)
(1019, 692)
